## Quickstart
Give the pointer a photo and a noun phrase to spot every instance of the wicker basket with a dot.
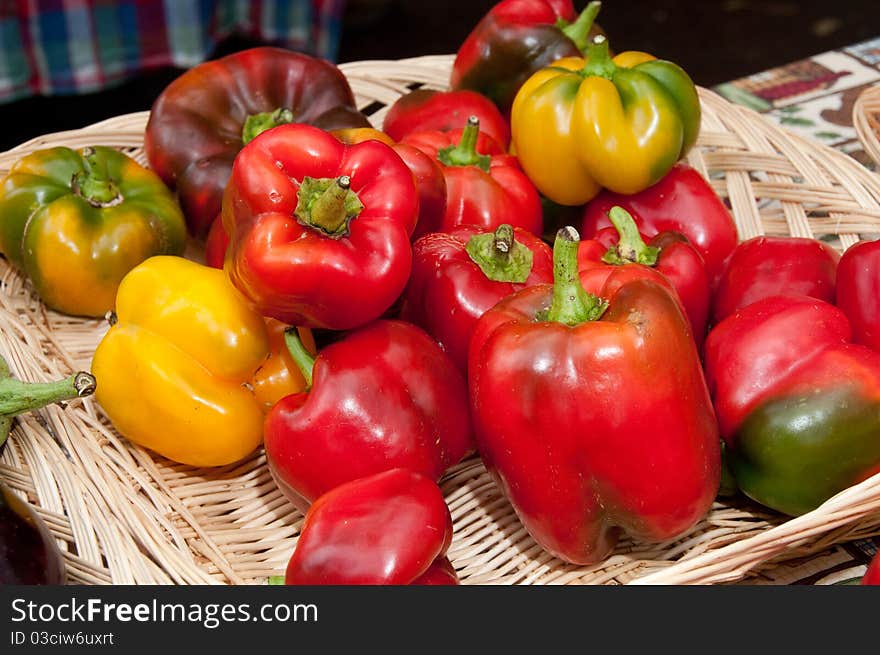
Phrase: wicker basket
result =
(866, 120)
(123, 515)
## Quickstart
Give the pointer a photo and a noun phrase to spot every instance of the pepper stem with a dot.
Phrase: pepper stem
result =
(17, 397)
(93, 183)
(571, 304)
(599, 62)
(256, 124)
(501, 257)
(302, 357)
(579, 30)
(327, 204)
(465, 153)
(276, 580)
(631, 248)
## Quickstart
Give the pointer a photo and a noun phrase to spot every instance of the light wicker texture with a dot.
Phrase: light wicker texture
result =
(866, 120)
(123, 515)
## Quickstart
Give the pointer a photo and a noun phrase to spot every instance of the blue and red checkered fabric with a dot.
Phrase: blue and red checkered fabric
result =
(53, 47)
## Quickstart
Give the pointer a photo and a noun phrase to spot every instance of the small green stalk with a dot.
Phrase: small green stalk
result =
(599, 62)
(631, 248)
(501, 257)
(256, 124)
(302, 357)
(275, 580)
(579, 30)
(465, 153)
(571, 304)
(17, 397)
(327, 204)
(94, 183)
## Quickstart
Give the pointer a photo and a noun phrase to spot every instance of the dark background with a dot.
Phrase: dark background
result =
(715, 41)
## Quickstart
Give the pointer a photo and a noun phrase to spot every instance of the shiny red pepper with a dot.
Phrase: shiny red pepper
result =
(682, 201)
(872, 574)
(517, 38)
(216, 244)
(458, 275)
(425, 110)
(592, 413)
(484, 187)
(858, 291)
(391, 528)
(767, 266)
(669, 258)
(797, 403)
(320, 231)
(384, 396)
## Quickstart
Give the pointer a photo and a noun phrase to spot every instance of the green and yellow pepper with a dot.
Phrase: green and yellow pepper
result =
(76, 221)
(587, 123)
(180, 367)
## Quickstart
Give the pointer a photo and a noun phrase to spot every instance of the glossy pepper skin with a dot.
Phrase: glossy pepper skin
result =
(768, 266)
(581, 125)
(425, 110)
(182, 353)
(203, 118)
(668, 257)
(390, 528)
(76, 221)
(798, 404)
(485, 188)
(319, 231)
(383, 396)
(857, 290)
(682, 201)
(872, 574)
(430, 182)
(593, 414)
(458, 275)
(517, 38)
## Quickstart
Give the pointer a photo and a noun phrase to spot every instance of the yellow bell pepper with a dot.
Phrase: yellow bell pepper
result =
(586, 123)
(177, 369)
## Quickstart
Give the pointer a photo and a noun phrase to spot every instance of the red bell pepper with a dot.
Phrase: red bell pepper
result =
(872, 574)
(798, 405)
(384, 396)
(484, 187)
(391, 528)
(858, 291)
(426, 110)
(592, 413)
(768, 266)
(517, 38)
(669, 257)
(458, 275)
(320, 231)
(203, 118)
(430, 182)
(682, 201)
(216, 244)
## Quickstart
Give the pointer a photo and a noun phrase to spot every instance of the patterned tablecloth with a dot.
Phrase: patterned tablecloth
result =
(814, 98)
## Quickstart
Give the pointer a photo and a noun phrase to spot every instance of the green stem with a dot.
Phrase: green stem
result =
(256, 124)
(599, 62)
(327, 204)
(571, 304)
(579, 30)
(305, 362)
(631, 248)
(276, 580)
(465, 153)
(501, 257)
(94, 183)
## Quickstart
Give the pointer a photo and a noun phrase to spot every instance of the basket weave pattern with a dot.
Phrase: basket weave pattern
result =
(866, 120)
(125, 515)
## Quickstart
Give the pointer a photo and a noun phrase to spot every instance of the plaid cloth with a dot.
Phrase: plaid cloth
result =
(50, 47)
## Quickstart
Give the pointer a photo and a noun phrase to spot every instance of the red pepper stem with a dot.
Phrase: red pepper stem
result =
(630, 248)
(93, 183)
(256, 124)
(500, 256)
(579, 30)
(302, 357)
(327, 205)
(599, 62)
(571, 303)
(465, 153)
